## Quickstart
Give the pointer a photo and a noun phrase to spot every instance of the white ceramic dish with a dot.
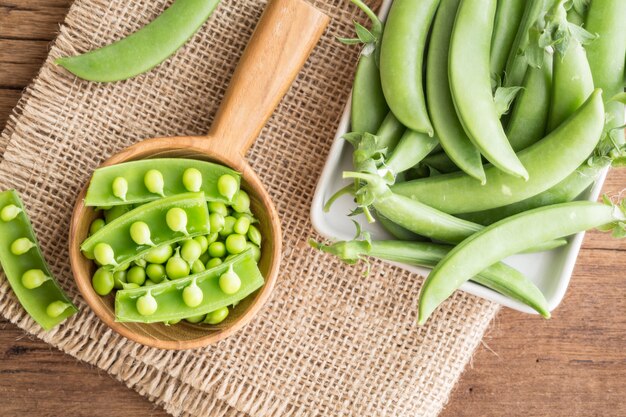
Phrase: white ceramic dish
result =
(550, 271)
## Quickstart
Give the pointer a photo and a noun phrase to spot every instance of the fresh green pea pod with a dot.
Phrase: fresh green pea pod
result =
(411, 149)
(401, 56)
(441, 162)
(606, 54)
(567, 190)
(101, 193)
(447, 126)
(389, 132)
(144, 49)
(507, 237)
(169, 220)
(571, 83)
(30, 278)
(470, 84)
(508, 17)
(498, 277)
(397, 231)
(529, 116)
(169, 295)
(549, 162)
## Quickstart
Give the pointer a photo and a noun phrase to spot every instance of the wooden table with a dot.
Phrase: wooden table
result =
(572, 365)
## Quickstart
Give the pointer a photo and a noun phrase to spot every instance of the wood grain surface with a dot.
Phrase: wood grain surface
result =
(572, 365)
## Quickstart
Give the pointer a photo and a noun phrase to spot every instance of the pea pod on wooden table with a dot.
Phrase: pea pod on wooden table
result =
(144, 49)
(157, 223)
(207, 291)
(470, 83)
(509, 236)
(549, 162)
(146, 180)
(401, 57)
(25, 267)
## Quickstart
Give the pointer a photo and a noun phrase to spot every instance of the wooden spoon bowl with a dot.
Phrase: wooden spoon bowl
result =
(283, 39)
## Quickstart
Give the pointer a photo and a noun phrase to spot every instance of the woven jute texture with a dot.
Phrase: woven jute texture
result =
(331, 342)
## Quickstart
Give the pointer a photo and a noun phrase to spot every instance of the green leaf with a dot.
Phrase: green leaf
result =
(606, 200)
(581, 35)
(503, 98)
(619, 97)
(619, 162)
(364, 34)
(619, 231)
(353, 138)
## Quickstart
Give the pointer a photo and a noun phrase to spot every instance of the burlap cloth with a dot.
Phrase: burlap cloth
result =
(331, 341)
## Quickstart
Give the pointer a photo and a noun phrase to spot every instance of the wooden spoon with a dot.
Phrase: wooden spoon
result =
(285, 35)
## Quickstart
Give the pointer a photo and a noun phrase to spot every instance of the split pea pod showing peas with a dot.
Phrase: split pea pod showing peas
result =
(470, 83)
(217, 287)
(145, 48)
(146, 180)
(160, 222)
(549, 162)
(507, 237)
(27, 271)
(401, 57)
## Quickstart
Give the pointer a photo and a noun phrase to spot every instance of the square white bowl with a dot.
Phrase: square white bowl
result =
(550, 270)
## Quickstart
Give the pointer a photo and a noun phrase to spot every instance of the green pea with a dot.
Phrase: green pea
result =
(140, 262)
(192, 295)
(192, 179)
(102, 281)
(149, 283)
(213, 262)
(124, 266)
(136, 275)
(96, 225)
(190, 251)
(153, 180)
(171, 322)
(212, 237)
(217, 249)
(140, 234)
(196, 319)
(176, 267)
(130, 286)
(242, 225)
(204, 258)
(235, 243)
(176, 219)
(217, 316)
(159, 254)
(254, 235)
(104, 254)
(230, 281)
(21, 246)
(219, 208)
(56, 308)
(217, 222)
(156, 272)
(227, 186)
(197, 267)
(204, 243)
(241, 202)
(147, 304)
(120, 188)
(116, 212)
(119, 279)
(34, 278)
(256, 251)
(229, 257)
(9, 212)
(229, 224)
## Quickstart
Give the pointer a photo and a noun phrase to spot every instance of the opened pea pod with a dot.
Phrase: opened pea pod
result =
(160, 222)
(25, 267)
(147, 180)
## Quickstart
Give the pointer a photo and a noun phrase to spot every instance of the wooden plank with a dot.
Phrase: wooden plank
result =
(40, 22)
(23, 51)
(8, 100)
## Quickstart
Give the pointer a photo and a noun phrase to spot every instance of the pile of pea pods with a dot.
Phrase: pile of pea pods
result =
(475, 126)
(174, 242)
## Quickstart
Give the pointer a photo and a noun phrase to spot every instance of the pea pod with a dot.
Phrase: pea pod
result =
(412, 148)
(567, 190)
(390, 132)
(172, 171)
(441, 162)
(168, 220)
(529, 116)
(168, 296)
(144, 49)
(470, 84)
(507, 237)
(397, 231)
(549, 162)
(443, 114)
(30, 278)
(401, 57)
(508, 17)
(499, 276)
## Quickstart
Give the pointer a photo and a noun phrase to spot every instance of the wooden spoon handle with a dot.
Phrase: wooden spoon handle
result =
(283, 39)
